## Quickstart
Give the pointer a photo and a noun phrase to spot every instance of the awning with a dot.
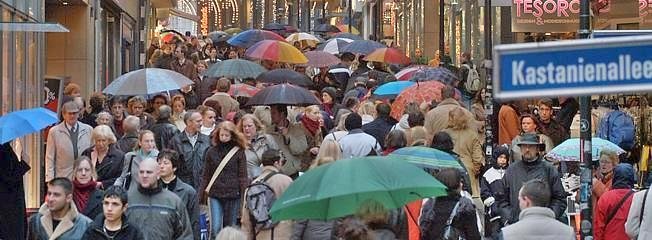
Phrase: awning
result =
(32, 27)
(163, 4)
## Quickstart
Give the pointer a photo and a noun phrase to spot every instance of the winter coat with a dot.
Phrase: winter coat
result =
(59, 155)
(13, 222)
(623, 182)
(133, 159)
(538, 223)
(72, 225)
(127, 232)
(128, 142)
(555, 131)
(192, 99)
(191, 156)
(635, 228)
(232, 181)
(111, 166)
(313, 230)
(188, 69)
(146, 121)
(509, 124)
(254, 152)
(435, 213)
(94, 204)
(437, 118)
(205, 87)
(227, 103)
(516, 150)
(295, 148)
(492, 188)
(469, 147)
(379, 128)
(164, 131)
(188, 196)
(359, 144)
(279, 183)
(521, 171)
(159, 214)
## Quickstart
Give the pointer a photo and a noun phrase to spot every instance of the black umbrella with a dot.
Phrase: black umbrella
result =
(363, 47)
(274, 27)
(326, 28)
(283, 94)
(283, 75)
(219, 36)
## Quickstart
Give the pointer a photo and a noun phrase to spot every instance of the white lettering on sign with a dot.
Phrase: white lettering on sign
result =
(538, 8)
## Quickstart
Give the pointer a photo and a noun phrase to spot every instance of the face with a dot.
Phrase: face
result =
(225, 136)
(101, 144)
(57, 198)
(528, 126)
(118, 109)
(326, 98)
(277, 116)
(178, 107)
(483, 93)
(314, 115)
(157, 103)
(83, 173)
(209, 119)
(165, 167)
(529, 152)
(606, 166)
(233, 55)
(137, 109)
(148, 174)
(502, 160)
(147, 142)
(103, 120)
(113, 208)
(201, 68)
(213, 53)
(417, 52)
(194, 122)
(179, 53)
(545, 113)
(523, 202)
(70, 117)
(249, 128)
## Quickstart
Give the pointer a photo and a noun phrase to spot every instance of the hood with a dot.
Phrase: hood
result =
(623, 177)
(403, 123)
(502, 149)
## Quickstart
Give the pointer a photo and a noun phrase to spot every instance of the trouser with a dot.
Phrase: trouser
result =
(224, 212)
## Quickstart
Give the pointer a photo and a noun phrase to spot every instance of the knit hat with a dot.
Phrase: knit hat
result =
(331, 91)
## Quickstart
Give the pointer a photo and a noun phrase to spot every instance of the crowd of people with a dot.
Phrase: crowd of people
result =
(151, 167)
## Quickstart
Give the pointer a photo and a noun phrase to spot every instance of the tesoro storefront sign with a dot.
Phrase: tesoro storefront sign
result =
(545, 15)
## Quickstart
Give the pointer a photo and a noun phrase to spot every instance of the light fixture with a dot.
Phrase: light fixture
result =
(65, 3)
(454, 2)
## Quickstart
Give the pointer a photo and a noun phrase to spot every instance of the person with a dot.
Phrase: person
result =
(279, 182)
(313, 124)
(86, 194)
(66, 141)
(376, 217)
(159, 213)
(613, 206)
(191, 146)
(223, 194)
(491, 188)
(534, 198)
(403, 123)
(205, 87)
(638, 225)
(227, 103)
(367, 110)
(129, 140)
(231, 233)
(349, 105)
(508, 123)
(156, 102)
(212, 56)
(339, 131)
(328, 96)
(443, 142)
(136, 106)
(259, 142)
(13, 223)
(104, 118)
(323, 80)
(105, 156)
(478, 110)
(354, 229)
(383, 123)
(58, 217)
(190, 95)
(468, 145)
(437, 118)
(117, 106)
(113, 224)
(168, 163)
(549, 125)
(603, 178)
(417, 136)
(208, 122)
(182, 64)
(178, 111)
(292, 141)
(529, 125)
(97, 102)
(358, 143)
(146, 149)
(341, 72)
(569, 107)
(395, 139)
(164, 130)
(419, 59)
(531, 167)
(436, 212)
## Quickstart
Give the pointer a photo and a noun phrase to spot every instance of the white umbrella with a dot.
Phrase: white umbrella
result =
(147, 81)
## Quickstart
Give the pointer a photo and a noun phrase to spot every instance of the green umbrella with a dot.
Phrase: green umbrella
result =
(338, 189)
(426, 157)
(235, 68)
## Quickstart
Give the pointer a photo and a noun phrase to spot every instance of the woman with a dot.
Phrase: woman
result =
(312, 122)
(259, 142)
(376, 217)
(104, 118)
(328, 105)
(105, 156)
(395, 139)
(178, 111)
(467, 144)
(131, 165)
(339, 131)
(367, 111)
(208, 120)
(224, 194)
(157, 101)
(86, 195)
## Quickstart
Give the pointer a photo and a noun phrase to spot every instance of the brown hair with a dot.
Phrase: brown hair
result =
(78, 162)
(259, 125)
(223, 85)
(236, 136)
(71, 88)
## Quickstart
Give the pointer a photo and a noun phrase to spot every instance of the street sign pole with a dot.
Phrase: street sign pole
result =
(489, 102)
(586, 160)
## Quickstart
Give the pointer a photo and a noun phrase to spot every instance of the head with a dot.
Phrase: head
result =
(442, 141)
(70, 112)
(417, 52)
(313, 112)
(136, 106)
(328, 95)
(226, 132)
(114, 203)
(279, 113)
(341, 124)
(624, 176)
(417, 136)
(72, 90)
(272, 157)
(213, 53)
(178, 104)
(480, 96)
(447, 92)
(458, 119)
(215, 105)
(351, 102)
(383, 110)
(208, 115)
(347, 58)
(249, 126)
(530, 146)
(131, 124)
(372, 212)
(59, 194)
(223, 85)
(465, 57)
(501, 156)
(529, 123)
(117, 106)
(102, 136)
(329, 151)
(367, 108)
(104, 118)
(164, 112)
(355, 229)
(231, 233)
(545, 110)
(146, 140)
(168, 163)
(84, 170)
(159, 100)
(416, 119)
(233, 54)
(353, 121)
(192, 119)
(534, 193)
(395, 139)
(452, 179)
(608, 160)
(148, 173)
(97, 101)
(181, 52)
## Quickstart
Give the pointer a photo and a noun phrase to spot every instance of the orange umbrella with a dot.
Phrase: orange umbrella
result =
(388, 55)
(419, 93)
(277, 51)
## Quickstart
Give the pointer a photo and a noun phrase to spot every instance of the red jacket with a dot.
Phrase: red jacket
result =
(615, 230)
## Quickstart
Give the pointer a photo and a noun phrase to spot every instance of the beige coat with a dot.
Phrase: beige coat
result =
(468, 146)
(634, 228)
(437, 118)
(59, 152)
(227, 103)
(279, 183)
(295, 148)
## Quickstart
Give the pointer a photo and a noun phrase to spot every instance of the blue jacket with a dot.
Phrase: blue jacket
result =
(71, 227)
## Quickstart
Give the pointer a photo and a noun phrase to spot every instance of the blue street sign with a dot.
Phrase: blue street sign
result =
(573, 67)
(619, 33)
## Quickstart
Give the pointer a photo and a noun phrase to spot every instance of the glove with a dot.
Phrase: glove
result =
(489, 201)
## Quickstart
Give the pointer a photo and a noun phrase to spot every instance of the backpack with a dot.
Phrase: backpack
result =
(260, 197)
(473, 82)
(618, 128)
(451, 232)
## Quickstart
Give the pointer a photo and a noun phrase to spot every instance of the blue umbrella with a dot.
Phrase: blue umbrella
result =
(439, 73)
(20, 123)
(569, 150)
(248, 38)
(392, 89)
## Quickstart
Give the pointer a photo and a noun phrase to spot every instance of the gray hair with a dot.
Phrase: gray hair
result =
(131, 124)
(188, 115)
(103, 131)
(231, 233)
(164, 112)
(104, 114)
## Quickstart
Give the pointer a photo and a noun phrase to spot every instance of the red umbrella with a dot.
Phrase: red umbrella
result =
(321, 59)
(243, 90)
(388, 55)
(279, 51)
(419, 93)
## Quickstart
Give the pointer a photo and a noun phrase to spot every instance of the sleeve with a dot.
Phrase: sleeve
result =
(598, 188)
(297, 229)
(599, 220)
(485, 190)
(206, 177)
(243, 176)
(504, 206)
(478, 156)
(469, 226)
(633, 225)
(513, 124)
(183, 230)
(115, 171)
(50, 155)
(558, 198)
(125, 170)
(425, 221)
(193, 211)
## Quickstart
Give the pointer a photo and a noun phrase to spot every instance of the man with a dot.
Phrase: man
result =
(117, 106)
(508, 123)
(182, 64)
(341, 72)
(419, 59)
(159, 213)
(191, 146)
(129, 141)
(358, 143)
(227, 103)
(66, 141)
(212, 57)
(537, 220)
(549, 126)
(164, 130)
(529, 124)
(379, 127)
(58, 218)
(113, 224)
(168, 162)
(531, 167)
(613, 207)
(292, 141)
(465, 66)
(437, 118)
(136, 107)
(279, 182)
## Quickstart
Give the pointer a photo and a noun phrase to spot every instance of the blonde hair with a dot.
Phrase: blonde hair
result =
(71, 88)
(340, 124)
(259, 125)
(372, 212)
(231, 233)
(103, 131)
(417, 135)
(78, 162)
(329, 151)
(611, 155)
(367, 108)
(236, 136)
(458, 119)
(310, 109)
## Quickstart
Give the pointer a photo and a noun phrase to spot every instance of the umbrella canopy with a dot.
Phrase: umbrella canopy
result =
(171, 36)
(439, 73)
(243, 90)
(278, 51)
(569, 150)
(248, 38)
(235, 68)
(345, 29)
(283, 94)
(321, 59)
(147, 81)
(388, 55)
(427, 157)
(407, 73)
(334, 45)
(218, 36)
(363, 47)
(305, 39)
(290, 29)
(326, 28)
(233, 31)
(338, 189)
(391, 89)
(274, 27)
(348, 36)
(420, 92)
(284, 75)
(20, 123)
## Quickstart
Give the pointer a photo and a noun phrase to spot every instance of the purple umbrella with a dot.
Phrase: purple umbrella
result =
(321, 59)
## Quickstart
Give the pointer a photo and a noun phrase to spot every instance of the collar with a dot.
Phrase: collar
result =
(536, 211)
(191, 136)
(170, 185)
(70, 127)
(150, 191)
(355, 131)
(449, 101)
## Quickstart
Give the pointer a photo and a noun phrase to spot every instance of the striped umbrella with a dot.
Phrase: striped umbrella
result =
(363, 47)
(407, 73)
(248, 38)
(278, 51)
(243, 90)
(388, 55)
(235, 68)
(321, 59)
(305, 39)
(147, 81)
(334, 46)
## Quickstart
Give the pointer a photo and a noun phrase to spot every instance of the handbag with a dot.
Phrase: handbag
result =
(219, 169)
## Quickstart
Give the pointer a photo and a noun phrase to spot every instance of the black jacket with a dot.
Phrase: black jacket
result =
(13, 224)
(192, 157)
(435, 213)
(96, 231)
(205, 87)
(164, 131)
(110, 168)
(379, 128)
(188, 196)
(94, 205)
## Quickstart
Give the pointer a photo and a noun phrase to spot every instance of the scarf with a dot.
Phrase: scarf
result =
(310, 125)
(82, 193)
(328, 108)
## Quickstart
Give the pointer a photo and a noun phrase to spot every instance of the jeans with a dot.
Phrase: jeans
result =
(224, 212)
